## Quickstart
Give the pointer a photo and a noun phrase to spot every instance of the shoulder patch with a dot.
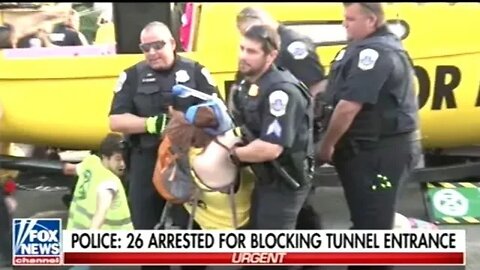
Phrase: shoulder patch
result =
(181, 76)
(298, 49)
(367, 59)
(121, 80)
(275, 129)
(278, 103)
(208, 76)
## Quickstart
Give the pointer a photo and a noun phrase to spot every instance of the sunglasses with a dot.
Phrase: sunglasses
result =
(156, 45)
(264, 34)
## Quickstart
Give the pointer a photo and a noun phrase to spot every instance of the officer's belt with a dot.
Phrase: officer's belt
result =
(350, 144)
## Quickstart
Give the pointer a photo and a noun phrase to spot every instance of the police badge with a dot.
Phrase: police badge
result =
(181, 76)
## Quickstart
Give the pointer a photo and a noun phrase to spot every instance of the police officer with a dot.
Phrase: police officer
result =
(373, 127)
(297, 51)
(297, 55)
(139, 109)
(276, 108)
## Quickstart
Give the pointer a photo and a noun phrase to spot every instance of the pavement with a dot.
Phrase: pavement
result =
(47, 202)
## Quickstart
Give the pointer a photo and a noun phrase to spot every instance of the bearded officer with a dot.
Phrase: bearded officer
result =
(276, 108)
(297, 54)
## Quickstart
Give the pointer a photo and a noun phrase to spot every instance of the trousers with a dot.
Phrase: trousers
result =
(364, 174)
(145, 203)
(275, 206)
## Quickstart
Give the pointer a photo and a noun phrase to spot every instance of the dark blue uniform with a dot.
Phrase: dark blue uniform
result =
(376, 152)
(145, 92)
(277, 109)
(297, 55)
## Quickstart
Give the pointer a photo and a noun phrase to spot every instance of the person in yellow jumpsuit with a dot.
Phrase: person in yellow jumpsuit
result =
(211, 169)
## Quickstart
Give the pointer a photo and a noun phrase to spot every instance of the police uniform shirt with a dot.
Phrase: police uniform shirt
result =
(371, 73)
(126, 88)
(282, 113)
(298, 55)
(365, 74)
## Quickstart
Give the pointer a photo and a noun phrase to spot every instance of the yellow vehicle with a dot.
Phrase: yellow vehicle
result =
(64, 101)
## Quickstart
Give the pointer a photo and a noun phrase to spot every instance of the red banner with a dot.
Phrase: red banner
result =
(271, 258)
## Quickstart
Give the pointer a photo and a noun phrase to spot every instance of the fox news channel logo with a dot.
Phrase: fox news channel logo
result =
(37, 241)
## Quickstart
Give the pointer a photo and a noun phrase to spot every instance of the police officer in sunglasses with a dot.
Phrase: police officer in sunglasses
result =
(139, 109)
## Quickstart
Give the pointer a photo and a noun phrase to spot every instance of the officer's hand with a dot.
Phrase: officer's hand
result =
(156, 124)
(324, 155)
(234, 158)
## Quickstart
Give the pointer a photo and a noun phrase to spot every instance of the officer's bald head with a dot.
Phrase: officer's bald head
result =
(250, 16)
(362, 19)
(158, 45)
(157, 28)
(371, 9)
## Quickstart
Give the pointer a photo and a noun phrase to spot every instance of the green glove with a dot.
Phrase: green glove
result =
(156, 124)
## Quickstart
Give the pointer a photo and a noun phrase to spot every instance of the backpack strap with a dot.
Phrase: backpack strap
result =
(233, 205)
(196, 197)
(231, 199)
(164, 216)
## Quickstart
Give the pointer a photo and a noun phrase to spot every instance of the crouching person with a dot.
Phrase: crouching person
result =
(99, 200)
(194, 173)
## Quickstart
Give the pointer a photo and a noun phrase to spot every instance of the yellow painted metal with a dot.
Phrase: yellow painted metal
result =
(64, 102)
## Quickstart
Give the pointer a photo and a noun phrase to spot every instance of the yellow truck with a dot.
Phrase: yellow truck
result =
(63, 101)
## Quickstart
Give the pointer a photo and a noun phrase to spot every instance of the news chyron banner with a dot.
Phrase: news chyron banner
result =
(42, 242)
